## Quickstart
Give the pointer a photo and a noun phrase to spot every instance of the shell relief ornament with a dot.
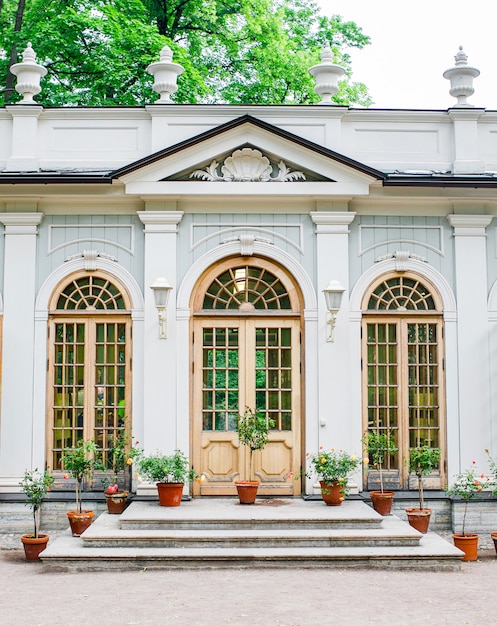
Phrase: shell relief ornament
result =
(248, 165)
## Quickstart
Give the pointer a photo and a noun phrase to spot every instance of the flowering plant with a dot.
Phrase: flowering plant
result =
(119, 457)
(467, 485)
(492, 463)
(35, 485)
(334, 466)
(164, 468)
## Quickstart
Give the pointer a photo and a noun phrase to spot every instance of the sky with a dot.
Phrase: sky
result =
(413, 43)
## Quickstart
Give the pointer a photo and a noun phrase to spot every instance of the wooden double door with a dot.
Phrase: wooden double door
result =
(246, 361)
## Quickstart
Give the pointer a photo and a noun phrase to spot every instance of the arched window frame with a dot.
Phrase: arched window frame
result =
(394, 342)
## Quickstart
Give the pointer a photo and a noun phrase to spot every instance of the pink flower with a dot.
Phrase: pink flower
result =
(473, 462)
(66, 476)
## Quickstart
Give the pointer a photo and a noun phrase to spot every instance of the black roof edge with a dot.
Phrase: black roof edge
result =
(33, 178)
(440, 181)
(243, 119)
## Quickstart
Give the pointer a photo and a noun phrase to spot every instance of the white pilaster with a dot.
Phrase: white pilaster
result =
(465, 124)
(24, 156)
(160, 419)
(472, 337)
(337, 427)
(16, 424)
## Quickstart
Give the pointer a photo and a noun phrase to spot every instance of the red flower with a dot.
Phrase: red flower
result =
(66, 476)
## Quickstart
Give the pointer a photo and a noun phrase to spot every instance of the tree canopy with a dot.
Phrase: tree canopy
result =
(236, 51)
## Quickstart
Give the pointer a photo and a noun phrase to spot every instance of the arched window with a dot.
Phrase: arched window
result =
(403, 370)
(89, 373)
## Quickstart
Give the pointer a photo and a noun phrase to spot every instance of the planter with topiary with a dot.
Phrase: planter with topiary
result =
(379, 445)
(422, 461)
(35, 485)
(253, 432)
(80, 462)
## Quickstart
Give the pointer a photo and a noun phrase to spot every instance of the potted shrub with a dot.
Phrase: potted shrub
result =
(467, 485)
(379, 446)
(333, 469)
(170, 472)
(422, 461)
(119, 459)
(493, 484)
(80, 462)
(253, 431)
(35, 485)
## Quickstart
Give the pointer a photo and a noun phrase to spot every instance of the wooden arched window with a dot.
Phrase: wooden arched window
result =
(89, 374)
(403, 370)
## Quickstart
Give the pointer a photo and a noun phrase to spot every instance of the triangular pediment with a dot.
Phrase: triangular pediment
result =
(248, 156)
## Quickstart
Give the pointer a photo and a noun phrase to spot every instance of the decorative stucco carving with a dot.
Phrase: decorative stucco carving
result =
(248, 165)
(247, 243)
(401, 258)
(90, 258)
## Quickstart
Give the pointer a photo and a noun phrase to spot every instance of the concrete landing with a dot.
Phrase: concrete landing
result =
(272, 533)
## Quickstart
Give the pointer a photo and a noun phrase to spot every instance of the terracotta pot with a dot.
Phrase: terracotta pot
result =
(382, 501)
(331, 493)
(170, 494)
(468, 544)
(247, 491)
(116, 502)
(494, 537)
(419, 519)
(34, 545)
(79, 522)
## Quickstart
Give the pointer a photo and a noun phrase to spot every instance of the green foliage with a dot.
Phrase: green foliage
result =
(379, 446)
(238, 51)
(335, 466)
(35, 485)
(423, 461)
(493, 470)
(253, 431)
(165, 468)
(118, 456)
(467, 485)
(80, 461)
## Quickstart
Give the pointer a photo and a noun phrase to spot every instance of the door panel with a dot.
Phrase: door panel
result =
(238, 363)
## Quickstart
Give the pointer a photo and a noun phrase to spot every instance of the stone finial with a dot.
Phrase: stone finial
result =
(327, 75)
(28, 75)
(461, 79)
(165, 74)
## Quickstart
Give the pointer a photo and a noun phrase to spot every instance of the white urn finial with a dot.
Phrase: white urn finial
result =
(165, 74)
(28, 75)
(461, 79)
(327, 75)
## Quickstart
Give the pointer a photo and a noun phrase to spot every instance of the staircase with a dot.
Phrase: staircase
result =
(211, 532)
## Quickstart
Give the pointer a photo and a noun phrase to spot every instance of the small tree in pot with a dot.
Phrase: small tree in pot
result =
(80, 461)
(422, 461)
(379, 446)
(119, 458)
(253, 432)
(35, 485)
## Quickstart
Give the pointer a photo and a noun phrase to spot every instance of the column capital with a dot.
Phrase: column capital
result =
(160, 221)
(469, 225)
(21, 223)
(332, 222)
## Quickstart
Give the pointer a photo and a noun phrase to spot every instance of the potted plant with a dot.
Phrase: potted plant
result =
(80, 461)
(379, 446)
(467, 485)
(118, 458)
(170, 472)
(333, 469)
(422, 461)
(493, 484)
(35, 485)
(253, 431)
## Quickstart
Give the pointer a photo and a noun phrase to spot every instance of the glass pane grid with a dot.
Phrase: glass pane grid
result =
(220, 379)
(402, 294)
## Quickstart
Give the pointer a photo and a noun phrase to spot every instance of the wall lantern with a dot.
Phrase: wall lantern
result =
(161, 289)
(333, 297)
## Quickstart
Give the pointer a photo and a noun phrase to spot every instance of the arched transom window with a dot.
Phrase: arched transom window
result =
(403, 370)
(89, 376)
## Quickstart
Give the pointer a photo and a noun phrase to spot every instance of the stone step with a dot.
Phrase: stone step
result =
(70, 554)
(225, 513)
(106, 532)
(272, 533)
